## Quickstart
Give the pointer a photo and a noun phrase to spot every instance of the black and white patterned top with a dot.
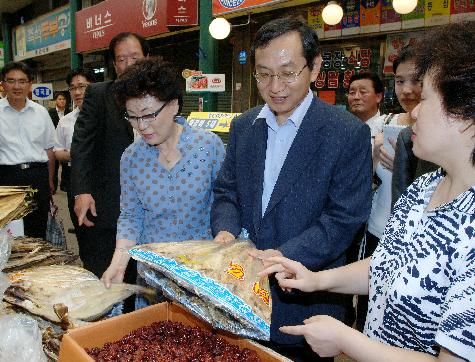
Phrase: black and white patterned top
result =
(422, 274)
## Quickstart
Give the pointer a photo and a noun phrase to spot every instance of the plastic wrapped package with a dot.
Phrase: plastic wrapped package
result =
(216, 282)
(20, 339)
(5, 246)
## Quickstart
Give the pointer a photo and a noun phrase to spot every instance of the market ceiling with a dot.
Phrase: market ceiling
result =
(11, 6)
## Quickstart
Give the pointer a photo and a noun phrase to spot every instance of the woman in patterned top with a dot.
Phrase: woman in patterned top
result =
(421, 278)
(167, 175)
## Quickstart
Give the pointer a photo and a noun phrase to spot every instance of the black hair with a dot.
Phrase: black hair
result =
(59, 93)
(373, 77)
(445, 53)
(85, 72)
(150, 76)
(17, 66)
(122, 36)
(278, 27)
(406, 54)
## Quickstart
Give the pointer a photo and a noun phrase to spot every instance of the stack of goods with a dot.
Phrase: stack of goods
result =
(216, 282)
(28, 252)
(15, 203)
(171, 341)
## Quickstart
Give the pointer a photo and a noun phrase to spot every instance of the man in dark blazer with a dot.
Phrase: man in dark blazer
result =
(296, 178)
(101, 134)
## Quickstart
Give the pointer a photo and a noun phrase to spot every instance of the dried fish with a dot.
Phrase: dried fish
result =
(29, 252)
(15, 203)
(39, 289)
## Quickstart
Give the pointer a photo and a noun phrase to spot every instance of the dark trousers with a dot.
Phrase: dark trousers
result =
(37, 177)
(297, 353)
(362, 306)
(65, 177)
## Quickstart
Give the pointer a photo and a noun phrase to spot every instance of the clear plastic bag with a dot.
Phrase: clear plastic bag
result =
(20, 339)
(223, 276)
(6, 238)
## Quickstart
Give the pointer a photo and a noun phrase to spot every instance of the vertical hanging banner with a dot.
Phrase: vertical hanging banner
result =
(370, 16)
(315, 21)
(390, 20)
(2, 55)
(437, 12)
(416, 18)
(350, 23)
(182, 12)
(43, 35)
(462, 10)
(394, 44)
(97, 25)
(221, 7)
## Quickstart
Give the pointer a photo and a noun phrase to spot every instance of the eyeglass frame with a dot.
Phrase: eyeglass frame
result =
(81, 87)
(146, 119)
(12, 81)
(266, 83)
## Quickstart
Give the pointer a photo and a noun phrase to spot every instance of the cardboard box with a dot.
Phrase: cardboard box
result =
(113, 329)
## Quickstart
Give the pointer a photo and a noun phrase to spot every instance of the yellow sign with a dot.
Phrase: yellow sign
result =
(211, 121)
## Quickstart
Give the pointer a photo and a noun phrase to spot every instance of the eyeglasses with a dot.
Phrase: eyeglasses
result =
(284, 77)
(12, 81)
(146, 119)
(80, 88)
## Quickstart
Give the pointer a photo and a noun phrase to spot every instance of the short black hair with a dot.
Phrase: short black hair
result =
(445, 53)
(405, 54)
(17, 66)
(373, 77)
(149, 76)
(59, 93)
(122, 36)
(85, 72)
(278, 27)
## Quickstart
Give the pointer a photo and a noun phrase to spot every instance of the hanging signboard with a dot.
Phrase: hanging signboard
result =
(390, 20)
(415, 18)
(206, 83)
(350, 23)
(41, 92)
(315, 20)
(46, 34)
(370, 16)
(211, 121)
(394, 44)
(2, 55)
(437, 12)
(182, 12)
(462, 10)
(221, 7)
(97, 25)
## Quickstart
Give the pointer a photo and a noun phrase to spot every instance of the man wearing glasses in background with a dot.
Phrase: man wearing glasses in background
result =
(296, 178)
(101, 134)
(26, 144)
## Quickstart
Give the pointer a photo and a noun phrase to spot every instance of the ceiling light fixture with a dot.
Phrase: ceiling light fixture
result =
(332, 13)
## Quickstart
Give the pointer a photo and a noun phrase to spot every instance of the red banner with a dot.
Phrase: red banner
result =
(228, 6)
(182, 12)
(98, 24)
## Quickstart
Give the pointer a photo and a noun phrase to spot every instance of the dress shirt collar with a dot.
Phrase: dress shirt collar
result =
(4, 103)
(372, 121)
(295, 118)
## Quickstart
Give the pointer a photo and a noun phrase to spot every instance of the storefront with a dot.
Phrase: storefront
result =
(368, 37)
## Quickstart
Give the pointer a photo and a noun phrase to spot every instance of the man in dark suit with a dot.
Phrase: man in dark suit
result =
(59, 111)
(297, 176)
(101, 134)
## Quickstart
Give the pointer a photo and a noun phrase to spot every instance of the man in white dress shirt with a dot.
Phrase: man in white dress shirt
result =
(365, 94)
(77, 81)
(26, 144)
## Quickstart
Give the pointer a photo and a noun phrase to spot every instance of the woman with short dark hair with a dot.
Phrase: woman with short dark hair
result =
(167, 175)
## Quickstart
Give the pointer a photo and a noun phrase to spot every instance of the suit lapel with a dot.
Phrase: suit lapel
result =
(259, 145)
(301, 153)
(112, 106)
